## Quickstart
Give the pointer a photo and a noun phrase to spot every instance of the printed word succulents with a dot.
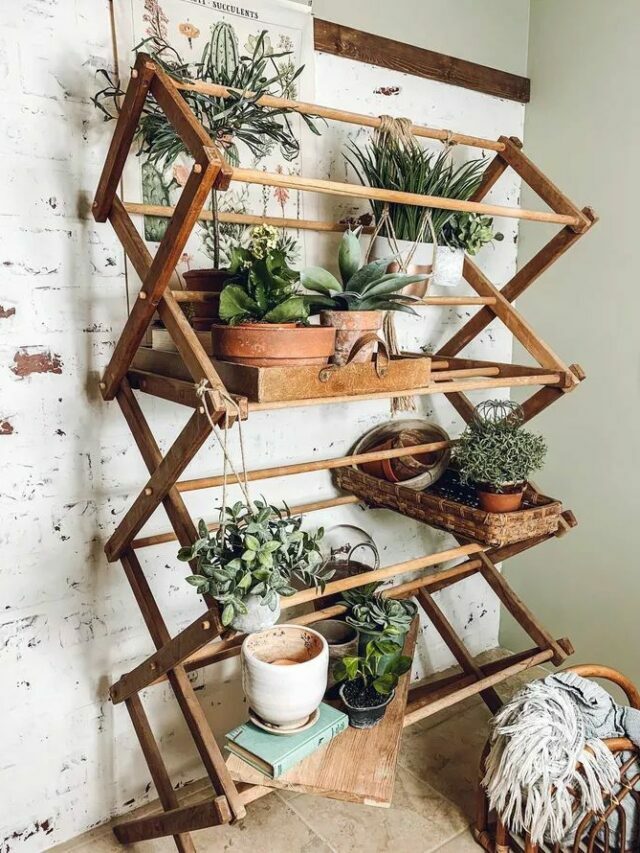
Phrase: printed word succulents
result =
(265, 311)
(356, 304)
(498, 456)
(251, 560)
(370, 681)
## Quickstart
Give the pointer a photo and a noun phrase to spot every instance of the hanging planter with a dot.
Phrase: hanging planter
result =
(259, 615)
(449, 266)
(408, 257)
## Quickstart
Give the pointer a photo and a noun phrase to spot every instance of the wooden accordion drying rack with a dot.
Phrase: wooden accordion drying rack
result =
(344, 769)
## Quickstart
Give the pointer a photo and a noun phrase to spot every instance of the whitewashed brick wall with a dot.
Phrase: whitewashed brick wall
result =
(68, 622)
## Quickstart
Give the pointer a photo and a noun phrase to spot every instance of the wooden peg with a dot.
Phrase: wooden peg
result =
(206, 625)
(148, 491)
(142, 295)
(197, 168)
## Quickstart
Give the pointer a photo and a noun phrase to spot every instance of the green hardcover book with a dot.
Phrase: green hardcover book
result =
(273, 755)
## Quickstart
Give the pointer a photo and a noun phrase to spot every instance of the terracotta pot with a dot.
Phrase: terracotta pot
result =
(380, 468)
(284, 673)
(273, 344)
(211, 281)
(507, 501)
(419, 471)
(350, 326)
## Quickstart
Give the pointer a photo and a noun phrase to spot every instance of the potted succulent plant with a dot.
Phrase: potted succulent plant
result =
(229, 121)
(404, 165)
(355, 305)
(250, 561)
(265, 312)
(497, 455)
(370, 681)
(462, 232)
(372, 615)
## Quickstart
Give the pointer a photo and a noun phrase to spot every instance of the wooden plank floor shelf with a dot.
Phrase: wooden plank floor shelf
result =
(358, 766)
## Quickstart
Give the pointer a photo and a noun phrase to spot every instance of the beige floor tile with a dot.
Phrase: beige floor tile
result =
(419, 820)
(463, 843)
(447, 756)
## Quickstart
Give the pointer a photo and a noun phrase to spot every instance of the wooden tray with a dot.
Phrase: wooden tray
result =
(539, 516)
(266, 384)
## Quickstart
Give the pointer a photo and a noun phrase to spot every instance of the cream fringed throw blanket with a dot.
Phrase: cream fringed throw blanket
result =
(547, 765)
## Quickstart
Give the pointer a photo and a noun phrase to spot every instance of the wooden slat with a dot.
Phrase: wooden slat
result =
(157, 769)
(160, 484)
(365, 47)
(541, 184)
(125, 130)
(519, 610)
(522, 280)
(456, 646)
(186, 818)
(175, 390)
(338, 188)
(358, 766)
(183, 690)
(191, 201)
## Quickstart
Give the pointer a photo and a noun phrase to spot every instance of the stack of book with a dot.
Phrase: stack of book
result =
(274, 754)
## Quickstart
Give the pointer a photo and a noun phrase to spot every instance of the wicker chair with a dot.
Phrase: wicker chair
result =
(594, 834)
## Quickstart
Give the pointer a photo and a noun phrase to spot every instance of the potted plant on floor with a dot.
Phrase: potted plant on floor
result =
(498, 456)
(250, 561)
(237, 119)
(404, 165)
(265, 312)
(462, 232)
(370, 681)
(355, 306)
(373, 615)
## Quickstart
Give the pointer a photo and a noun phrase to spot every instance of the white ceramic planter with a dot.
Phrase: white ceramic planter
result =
(449, 263)
(257, 617)
(285, 693)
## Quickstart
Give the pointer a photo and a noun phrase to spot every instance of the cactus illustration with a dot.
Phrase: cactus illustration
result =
(154, 191)
(221, 54)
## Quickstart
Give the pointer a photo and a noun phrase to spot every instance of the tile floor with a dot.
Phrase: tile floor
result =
(432, 808)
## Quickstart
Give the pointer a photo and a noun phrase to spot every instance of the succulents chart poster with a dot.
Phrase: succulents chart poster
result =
(215, 38)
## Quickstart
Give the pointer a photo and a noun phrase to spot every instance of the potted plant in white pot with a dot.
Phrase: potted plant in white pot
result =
(497, 456)
(405, 166)
(462, 232)
(355, 306)
(370, 681)
(250, 561)
(372, 615)
(264, 314)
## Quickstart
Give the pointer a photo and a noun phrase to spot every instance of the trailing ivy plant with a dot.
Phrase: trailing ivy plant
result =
(262, 287)
(495, 450)
(370, 612)
(468, 231)
(410, 168)
(258, 551)
(380, 667)
(361, 288)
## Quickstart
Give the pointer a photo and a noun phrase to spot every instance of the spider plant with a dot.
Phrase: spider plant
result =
(412, 169)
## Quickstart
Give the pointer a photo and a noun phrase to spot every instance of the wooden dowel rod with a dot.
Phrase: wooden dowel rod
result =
(167, 211)
(446, 375)
(300, 509)
(338, 188)
(319, 465)
(208, 296)
(547, 378)
(344, 116)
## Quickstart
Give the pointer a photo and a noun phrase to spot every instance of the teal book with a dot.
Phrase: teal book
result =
(272, 754)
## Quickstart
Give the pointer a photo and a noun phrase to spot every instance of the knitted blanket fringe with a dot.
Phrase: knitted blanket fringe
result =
(541, 773)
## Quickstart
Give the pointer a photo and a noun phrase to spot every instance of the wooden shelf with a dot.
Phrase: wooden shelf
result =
(358, 766)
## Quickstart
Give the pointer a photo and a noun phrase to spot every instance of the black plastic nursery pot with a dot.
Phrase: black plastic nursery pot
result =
(363, 716)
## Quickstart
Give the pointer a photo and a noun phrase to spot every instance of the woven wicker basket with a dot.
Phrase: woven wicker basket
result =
(595, 833)
(539, 516)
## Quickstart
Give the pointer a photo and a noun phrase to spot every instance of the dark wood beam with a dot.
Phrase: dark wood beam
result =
(398, 56)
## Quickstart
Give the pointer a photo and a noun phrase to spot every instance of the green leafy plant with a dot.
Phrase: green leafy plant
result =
(410, 168)
(370, 612)
(257, 551)
(468, 231)
(227, 120)
(380, 667)
(362, 288)
(495, 450)
(262, 287)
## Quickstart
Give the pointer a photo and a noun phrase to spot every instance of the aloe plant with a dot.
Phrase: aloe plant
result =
(361, 288)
